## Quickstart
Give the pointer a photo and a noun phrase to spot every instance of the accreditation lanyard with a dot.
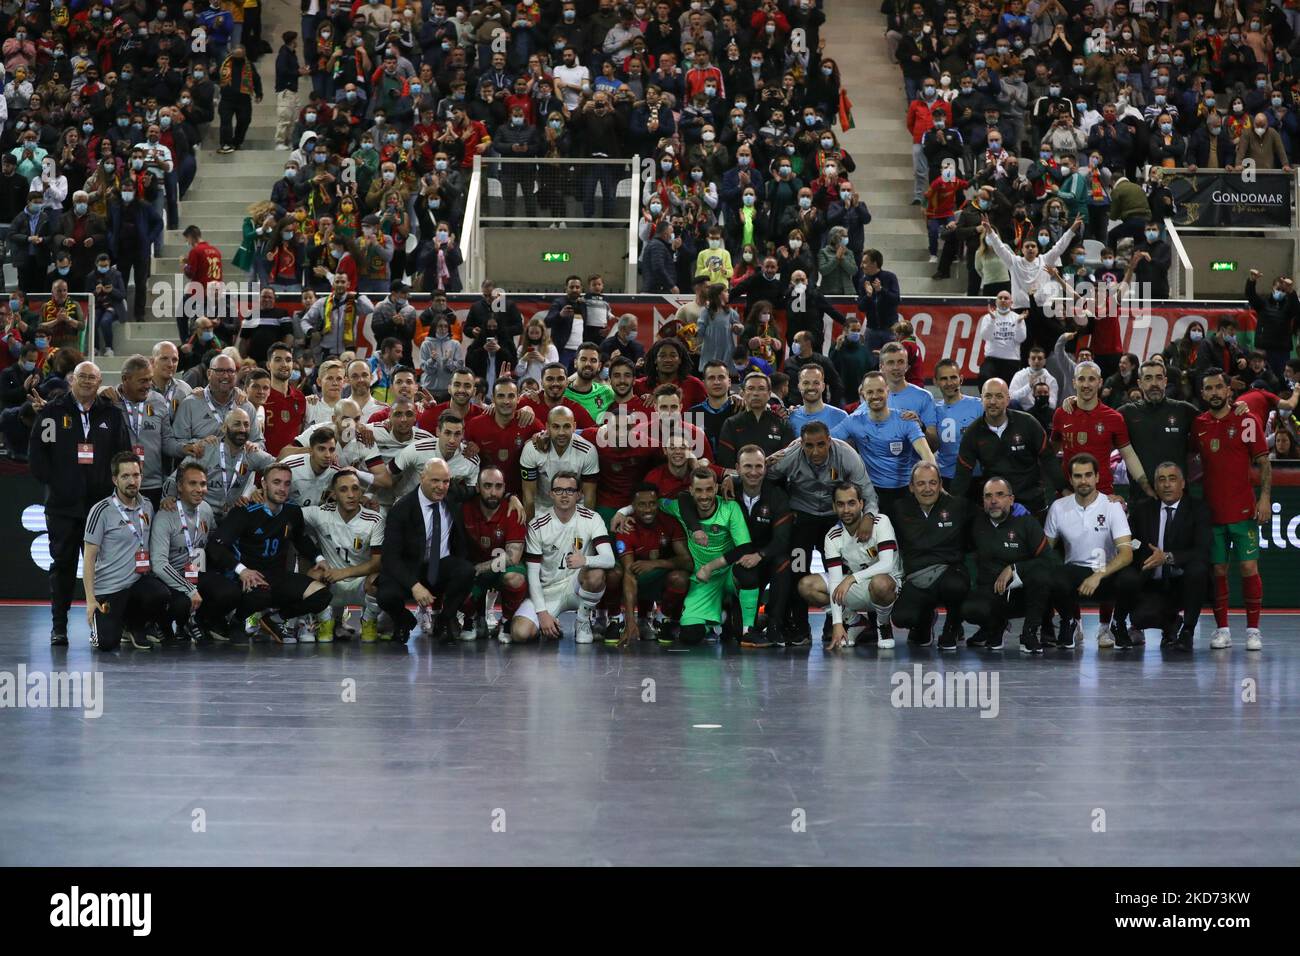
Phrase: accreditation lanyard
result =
(86, 448)
(227, 480)
(215, 414)
(135, 420)
(192, 568)
(137, 529)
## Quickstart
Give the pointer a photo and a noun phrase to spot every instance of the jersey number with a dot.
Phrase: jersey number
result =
(270, 547)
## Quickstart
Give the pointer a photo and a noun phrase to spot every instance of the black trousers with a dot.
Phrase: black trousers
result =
(807, 536)
(1043, 331)
(144, 602)
(66, 532)
(236, 107)
(1120, 588)
(998, 368)
(135, 264)
(916, 604)
(220, 596)
(515, 179)
(32, 277)
(455, 581)
(992, 611)
(775, 574)
(285, 594)
(1157, 602)
(889, 499)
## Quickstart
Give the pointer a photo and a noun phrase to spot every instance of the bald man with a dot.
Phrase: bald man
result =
(425, 544)
(1011, 444)
(73, 442)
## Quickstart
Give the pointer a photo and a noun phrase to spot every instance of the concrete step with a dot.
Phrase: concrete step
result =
(216, 212)
(242, 163)
(231, 189)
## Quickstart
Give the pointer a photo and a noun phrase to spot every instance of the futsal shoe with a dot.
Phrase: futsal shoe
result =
(1186, 637)
(922, 635)
(884, 636)
(274, 627)
(1105, 638)
(1222, 638)
(1029, 642)
(139, 640)
(59, 635)
(758, 638)
(1119, 630)
(949, 637)
(1254, 640)
(325, 631)
(582, 633)
(995, 639)
(369, 631)
(307, 631)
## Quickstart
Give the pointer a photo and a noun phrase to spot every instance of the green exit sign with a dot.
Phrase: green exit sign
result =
(556, 257)
(1223, 265)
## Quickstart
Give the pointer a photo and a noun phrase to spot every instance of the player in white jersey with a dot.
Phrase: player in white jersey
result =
(567, 553)
(389, 439)
(349, 450)
(314, 471)
(874, 574)
(564, 451)
(351, 539)
(330, 380)
(402, 473)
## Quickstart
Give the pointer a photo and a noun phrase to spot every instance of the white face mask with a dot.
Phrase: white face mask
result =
(796, 244)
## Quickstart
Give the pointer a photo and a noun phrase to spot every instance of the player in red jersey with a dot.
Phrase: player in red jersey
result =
(668, 362)
(286, 407)
(1084, 424)
(674, 475)
(460, 403)
(498, 438)
(1229, 443)
(668, 422)
(496, 545)
(555, 379)
(622, 379)
(202, 266)
(624, 461)
(653, 564)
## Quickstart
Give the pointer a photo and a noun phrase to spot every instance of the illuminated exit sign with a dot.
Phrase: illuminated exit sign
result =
(556, 257)
(1223, 265)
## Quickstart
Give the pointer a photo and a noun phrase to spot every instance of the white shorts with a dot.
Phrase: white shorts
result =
(859, 596)
(560, 595)
(351, 592)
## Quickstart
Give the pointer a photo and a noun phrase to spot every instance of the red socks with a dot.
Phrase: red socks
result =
(1221, 600)
(1252, 590)
(672, 601)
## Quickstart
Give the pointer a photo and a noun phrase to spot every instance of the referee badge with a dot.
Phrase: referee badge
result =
(895, 447)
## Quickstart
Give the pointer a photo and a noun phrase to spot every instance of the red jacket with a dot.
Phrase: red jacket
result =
(920, 117)
(941, 198)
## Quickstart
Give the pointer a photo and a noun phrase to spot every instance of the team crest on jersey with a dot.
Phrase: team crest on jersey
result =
(577, 544)
(1173, 420)
(356, 543)
(1100, 428)
(1101, 522)
(1214, 444)
(504, 454)
(1232, 433)
(1011, 536)
(764, 510)
(616, 467)
(67, 421)
(663, 541)
(943, 516)
(485, 542)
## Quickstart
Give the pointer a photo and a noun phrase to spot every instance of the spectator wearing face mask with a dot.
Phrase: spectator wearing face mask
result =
(1210, 146)
(1276, 315)
(921, 114)
(941, 204)
(1263, 145)
(1220, 350)
(1151, 258)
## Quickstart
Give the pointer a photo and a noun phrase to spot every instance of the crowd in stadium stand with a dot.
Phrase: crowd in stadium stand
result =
(240, 479)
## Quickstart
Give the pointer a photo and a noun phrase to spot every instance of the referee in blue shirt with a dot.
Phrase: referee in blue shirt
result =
(889, 443)
(956, 412)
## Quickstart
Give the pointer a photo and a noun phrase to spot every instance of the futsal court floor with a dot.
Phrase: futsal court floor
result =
(491, 754)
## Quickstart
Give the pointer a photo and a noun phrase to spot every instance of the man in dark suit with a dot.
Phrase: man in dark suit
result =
(1173, 559)
(423, 557)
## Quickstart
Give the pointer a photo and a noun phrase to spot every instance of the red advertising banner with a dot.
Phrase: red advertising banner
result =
(944, 327)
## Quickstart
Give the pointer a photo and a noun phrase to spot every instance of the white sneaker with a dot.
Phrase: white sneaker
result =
(424, 618)
(281, 147)
(1104, 637)
(1222, 638)
(582, 628)
(647, 627)
(1253, 640)
(491, 619)
(107, 353)
(504, 635)
(885, 643)
(933, 260)
(307, 632)
(469, 631)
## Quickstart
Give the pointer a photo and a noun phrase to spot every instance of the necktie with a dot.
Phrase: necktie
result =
(433, 547)
(1164, 531)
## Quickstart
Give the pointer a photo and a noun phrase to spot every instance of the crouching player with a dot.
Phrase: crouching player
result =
(654, 565)
(718, 577)
(351, 540)
(875, 575)
(199, 600)
(496, 544)
(567, 552)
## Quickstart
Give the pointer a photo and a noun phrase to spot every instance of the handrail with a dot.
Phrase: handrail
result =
(633, 227)
(1184, 265)
(469, 234)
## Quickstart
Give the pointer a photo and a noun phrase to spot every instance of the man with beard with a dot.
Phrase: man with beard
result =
(654, 565)
(875, 575)
(555, 383)
(496, 546)
(1231, 443)
(584, 386)
(389, 440)
(202, 415)
(755, 424)
(285, 405)
(351, 540)
(403, 471)
(1087, 425)
(1098, 547)
(254, 542)
(1160, 427)
(270, 325)
(229, 465)
(564, 452)
(1013, 572)
(932, 528)
(886, 440)
(460, 402)
(121, 594)
(497, 439)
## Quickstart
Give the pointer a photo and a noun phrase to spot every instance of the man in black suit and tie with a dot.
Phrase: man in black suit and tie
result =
(1173, 559)
(423, 557)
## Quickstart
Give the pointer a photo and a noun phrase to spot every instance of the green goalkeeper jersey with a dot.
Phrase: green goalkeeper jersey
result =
(726, 528)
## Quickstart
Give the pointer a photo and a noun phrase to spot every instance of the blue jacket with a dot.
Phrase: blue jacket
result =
(147, 223)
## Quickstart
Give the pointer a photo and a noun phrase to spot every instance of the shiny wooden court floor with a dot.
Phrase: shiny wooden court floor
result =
(487, 754)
